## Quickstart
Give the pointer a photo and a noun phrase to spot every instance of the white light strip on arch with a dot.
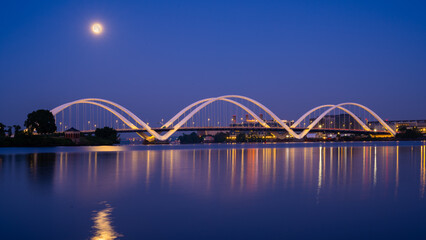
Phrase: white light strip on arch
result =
(199, 105)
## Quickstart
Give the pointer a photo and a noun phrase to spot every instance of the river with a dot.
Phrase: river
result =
(359, 190)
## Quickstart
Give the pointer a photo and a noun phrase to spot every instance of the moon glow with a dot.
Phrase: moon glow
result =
(97, 28)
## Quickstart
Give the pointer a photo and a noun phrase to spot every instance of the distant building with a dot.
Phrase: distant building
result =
(73, 134)
(248, 123)
(396, 124)
(338, 121)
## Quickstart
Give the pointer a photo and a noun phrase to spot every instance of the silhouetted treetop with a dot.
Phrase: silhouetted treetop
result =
(41, 121)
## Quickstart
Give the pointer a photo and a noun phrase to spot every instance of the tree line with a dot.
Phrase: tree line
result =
(41, 121)
(40, 130)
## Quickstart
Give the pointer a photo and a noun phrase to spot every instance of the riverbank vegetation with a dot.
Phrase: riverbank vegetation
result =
(41, 132)
(412, 134)
(405, 133)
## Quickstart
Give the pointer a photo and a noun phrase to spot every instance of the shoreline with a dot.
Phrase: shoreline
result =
(210, 143)
(122, 148)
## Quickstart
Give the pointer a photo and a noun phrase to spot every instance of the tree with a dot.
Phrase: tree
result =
(191, 138)
(241, 137)
(41, 121)
(17, 130)
(107, 133)
(2, 130)
(409, 133)
(220, 137)
(9, 131)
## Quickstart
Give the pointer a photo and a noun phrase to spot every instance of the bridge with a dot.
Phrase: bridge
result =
(247, 129)
(225, 113)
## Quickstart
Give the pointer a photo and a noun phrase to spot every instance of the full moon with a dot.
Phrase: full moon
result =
(97, 28)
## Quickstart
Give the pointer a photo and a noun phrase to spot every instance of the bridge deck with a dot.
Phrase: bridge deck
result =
(244, 129)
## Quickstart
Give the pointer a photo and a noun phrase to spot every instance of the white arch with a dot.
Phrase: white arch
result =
(211, 100)
(128, 112)
(306, 131)
(329, 105)
(144, 125)
(204, 102)
(267, 110)
(168, 123)
(127, 122)
(288, 129)
(384, 124)
(207, 102)
(56, 110)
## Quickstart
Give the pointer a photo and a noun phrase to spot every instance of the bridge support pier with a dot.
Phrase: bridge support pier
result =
(146, 137)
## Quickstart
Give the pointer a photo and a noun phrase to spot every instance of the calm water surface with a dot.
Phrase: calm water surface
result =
(253, 191)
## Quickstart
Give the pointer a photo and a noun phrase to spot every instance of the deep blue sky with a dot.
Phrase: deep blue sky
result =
(155, 57)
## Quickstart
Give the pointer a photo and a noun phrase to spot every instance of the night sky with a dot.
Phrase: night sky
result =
(156, 57)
